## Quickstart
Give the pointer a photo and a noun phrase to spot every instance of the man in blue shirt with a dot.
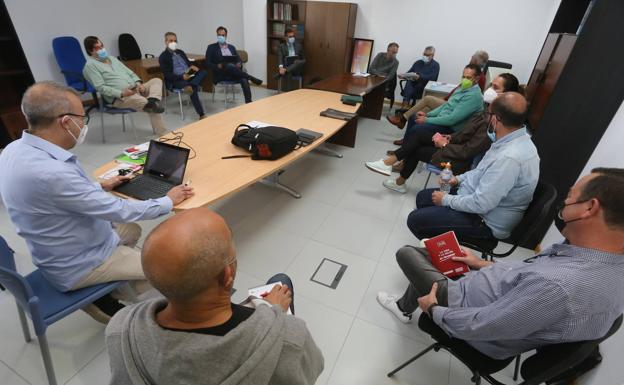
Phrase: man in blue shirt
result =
(569, 292)
(421, 72)
(179, 72)
(224, 70)
(491, 199)
(78, 234)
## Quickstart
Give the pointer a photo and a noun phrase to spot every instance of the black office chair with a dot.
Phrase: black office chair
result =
(497, 64)
(543, 198)
(129, 48)
(555, 364)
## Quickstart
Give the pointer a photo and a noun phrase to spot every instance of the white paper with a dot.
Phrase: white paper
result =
(258, 292)
(120, 166)
(361, 74)
(258, 124)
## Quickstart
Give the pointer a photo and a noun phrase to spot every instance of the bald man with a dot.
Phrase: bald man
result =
(488, 201)
(78, 234)
(197, 333)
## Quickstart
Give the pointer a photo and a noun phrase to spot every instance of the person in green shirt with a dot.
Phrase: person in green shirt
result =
(452, 115)
(121, 87)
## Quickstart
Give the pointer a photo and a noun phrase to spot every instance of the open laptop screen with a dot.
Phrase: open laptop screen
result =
(166, 161)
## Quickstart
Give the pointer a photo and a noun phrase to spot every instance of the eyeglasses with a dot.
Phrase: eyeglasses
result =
(85, 118)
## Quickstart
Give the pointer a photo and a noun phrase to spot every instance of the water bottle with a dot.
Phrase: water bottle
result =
(445, 178)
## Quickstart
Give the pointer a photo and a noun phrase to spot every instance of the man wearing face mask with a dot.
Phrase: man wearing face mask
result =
(490, 199)
(78, 234)
(460, 148)
(451, 116)
(569, 292)
(180, 73)
(290, 57)
(224, 70)
(426, 69)
(120, 86)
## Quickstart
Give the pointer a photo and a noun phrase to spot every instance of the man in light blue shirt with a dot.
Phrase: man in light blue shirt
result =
(491, 199)
(72, 226)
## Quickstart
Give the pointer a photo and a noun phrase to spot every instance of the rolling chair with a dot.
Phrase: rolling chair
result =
(553, 364)
(43, 303)
(105, 108)
(129, 48)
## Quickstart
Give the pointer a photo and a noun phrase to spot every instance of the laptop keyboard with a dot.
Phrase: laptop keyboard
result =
(145, 188)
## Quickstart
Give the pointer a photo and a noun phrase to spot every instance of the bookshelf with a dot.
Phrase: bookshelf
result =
(15, 77)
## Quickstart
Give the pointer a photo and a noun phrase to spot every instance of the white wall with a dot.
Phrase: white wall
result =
(194, 21)
(509, 30)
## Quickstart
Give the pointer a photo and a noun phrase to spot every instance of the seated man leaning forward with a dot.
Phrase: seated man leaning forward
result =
(569, 292)
(196, 332)
(78, 234)
(450, 116)
(491, 199)
(120, 86)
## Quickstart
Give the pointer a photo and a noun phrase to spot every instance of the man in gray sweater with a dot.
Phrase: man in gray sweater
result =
(197, 335)
(385, 63)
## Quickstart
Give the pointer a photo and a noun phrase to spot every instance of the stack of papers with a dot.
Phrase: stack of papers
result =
(136, 151)
(261, 291)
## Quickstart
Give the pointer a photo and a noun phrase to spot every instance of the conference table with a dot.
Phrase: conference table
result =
(149, 68)
(214, 178)
(371, 88)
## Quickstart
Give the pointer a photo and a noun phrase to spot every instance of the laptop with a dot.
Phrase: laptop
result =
(290, 60)
(164, 168)
(230, 59)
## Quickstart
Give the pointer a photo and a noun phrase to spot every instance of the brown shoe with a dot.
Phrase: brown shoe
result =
(398, 121)
(188, 90)
(390, 152)
(398, 142)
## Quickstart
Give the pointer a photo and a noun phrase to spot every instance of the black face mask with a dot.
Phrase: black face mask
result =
(559, 222)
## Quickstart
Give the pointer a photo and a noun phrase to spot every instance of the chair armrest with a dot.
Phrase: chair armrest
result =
(402, 83)
(149, 55)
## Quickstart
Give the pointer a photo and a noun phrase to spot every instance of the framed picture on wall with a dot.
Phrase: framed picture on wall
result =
(361, 55)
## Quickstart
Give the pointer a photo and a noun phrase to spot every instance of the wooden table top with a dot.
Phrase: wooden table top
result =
(214, 178)
(348, 84)
(152, 62)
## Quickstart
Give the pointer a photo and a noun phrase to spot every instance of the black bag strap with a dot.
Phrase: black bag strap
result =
(236, 156)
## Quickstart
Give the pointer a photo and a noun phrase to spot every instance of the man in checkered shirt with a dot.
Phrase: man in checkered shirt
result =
(569, 292)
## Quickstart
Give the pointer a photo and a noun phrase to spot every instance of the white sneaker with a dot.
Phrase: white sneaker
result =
(389, 302)
(379, 166)
(392, 185)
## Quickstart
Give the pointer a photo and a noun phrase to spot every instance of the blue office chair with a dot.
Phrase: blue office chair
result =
(432, 170)
(71, 61)
(43, 303)
(105, 108)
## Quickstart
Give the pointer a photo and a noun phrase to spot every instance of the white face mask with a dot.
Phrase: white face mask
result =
(426, 59)
(172, 46)
(83, 133)
(489, 95)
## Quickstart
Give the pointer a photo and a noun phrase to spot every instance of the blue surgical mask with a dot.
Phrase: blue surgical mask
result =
(426, 59)
(221, 39)
(291, 40)
(491, 132)
(102, 54)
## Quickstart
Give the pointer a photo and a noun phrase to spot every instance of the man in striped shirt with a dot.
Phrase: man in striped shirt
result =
(569, 292)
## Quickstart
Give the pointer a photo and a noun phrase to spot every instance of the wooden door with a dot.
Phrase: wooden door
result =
(553, 70)
(337, 25)
(315, 41)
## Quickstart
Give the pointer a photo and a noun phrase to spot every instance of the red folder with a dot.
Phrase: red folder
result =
(441, 249)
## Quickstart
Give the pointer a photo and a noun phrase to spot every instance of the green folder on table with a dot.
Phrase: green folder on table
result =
(126, 159)
(351, 99)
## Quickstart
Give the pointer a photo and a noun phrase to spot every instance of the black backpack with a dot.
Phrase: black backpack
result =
(265, 142)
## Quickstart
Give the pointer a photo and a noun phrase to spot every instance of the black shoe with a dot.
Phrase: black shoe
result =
(153, 108)
(103, 309)
(255, 80)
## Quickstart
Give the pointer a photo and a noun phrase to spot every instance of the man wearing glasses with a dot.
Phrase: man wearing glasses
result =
(78, 234)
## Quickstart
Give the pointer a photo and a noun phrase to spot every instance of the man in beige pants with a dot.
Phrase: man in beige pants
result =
(120, 86)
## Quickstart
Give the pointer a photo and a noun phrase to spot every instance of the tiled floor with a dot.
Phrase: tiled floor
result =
(345, 215)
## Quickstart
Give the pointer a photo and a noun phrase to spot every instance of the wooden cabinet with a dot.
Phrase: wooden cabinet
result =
(326, 30)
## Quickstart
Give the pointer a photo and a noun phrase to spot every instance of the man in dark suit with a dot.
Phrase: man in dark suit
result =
(228, 70)
(291, 57)
(180, 73)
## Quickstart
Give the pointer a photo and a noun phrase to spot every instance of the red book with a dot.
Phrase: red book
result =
(441, 249)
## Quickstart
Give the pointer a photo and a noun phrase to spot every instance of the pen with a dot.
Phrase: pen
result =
(187, 183)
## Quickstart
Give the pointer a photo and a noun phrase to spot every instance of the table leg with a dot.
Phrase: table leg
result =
(326, 151)
(373, 103)
(346, 135)
(273, 182)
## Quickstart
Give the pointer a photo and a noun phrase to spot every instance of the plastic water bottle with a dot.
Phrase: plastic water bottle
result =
(445, 178)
